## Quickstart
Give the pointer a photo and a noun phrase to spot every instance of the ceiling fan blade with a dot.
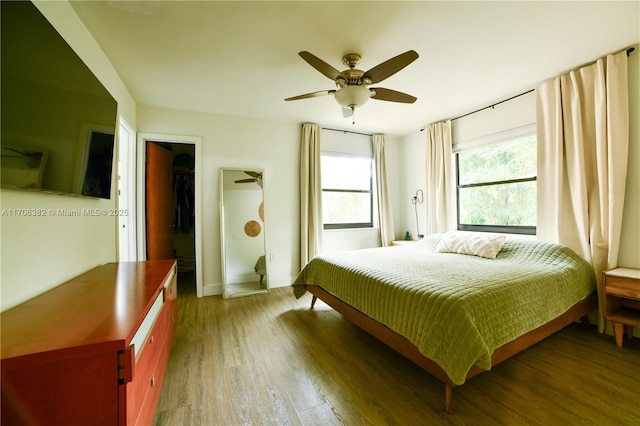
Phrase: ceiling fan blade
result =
(320, 65)
(245, 181)
(391, 66)
(383, 94)
(253, 174)
(311, 95)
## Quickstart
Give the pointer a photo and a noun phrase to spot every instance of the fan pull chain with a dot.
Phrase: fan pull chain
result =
(353, 115)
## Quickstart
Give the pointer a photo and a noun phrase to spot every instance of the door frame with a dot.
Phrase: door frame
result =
(126, 192)
(141, 180)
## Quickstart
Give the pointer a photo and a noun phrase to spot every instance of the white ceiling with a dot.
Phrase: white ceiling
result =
(241, 58)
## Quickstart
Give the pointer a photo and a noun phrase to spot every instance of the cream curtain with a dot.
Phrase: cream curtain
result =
(311, 227)
(441, 204)
(385, 214)
(583, 142)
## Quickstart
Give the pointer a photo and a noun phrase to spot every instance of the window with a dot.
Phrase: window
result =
(496, 186)
(347, 191)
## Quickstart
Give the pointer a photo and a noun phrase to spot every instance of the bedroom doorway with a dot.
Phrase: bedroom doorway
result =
(170, 218)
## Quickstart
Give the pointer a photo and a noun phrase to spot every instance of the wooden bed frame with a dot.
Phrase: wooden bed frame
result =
(410, 351)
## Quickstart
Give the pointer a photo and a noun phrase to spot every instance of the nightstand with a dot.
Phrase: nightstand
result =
(621, 290)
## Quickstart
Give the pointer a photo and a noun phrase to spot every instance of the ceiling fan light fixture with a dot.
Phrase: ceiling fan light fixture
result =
(352, 96)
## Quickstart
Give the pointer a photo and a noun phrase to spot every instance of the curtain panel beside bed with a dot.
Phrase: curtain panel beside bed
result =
(583, 142)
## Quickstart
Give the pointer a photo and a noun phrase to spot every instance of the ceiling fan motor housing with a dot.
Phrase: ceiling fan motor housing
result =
(352, 77)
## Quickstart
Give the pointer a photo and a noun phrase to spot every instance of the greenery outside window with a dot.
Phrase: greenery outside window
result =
(496, 186)
(347, 191)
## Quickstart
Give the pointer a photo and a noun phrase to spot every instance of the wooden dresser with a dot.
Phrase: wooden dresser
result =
(91, 351)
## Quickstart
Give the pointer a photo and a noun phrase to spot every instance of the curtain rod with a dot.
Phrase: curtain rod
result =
(487, 107)
(346, 131)
(629, 51)
(493, 105)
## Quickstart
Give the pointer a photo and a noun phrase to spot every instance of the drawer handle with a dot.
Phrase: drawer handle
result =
(153, 381)
(171, 318)
(151, 339)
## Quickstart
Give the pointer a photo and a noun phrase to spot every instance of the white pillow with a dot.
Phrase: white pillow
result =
(473, 243)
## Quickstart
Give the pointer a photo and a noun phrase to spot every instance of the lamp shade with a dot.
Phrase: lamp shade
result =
(352, 96)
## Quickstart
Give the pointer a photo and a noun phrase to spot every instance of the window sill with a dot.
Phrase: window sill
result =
(351, 229)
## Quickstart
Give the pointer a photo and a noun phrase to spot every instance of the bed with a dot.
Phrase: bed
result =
(456, 304)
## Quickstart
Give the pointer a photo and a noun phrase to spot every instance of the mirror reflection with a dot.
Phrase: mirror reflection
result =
(244, 265)
(58, 119)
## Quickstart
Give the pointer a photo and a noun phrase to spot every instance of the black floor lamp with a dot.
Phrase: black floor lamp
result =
(417, 199)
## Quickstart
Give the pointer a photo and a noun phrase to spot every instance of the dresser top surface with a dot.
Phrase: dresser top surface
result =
(103, 306)
(624, 273)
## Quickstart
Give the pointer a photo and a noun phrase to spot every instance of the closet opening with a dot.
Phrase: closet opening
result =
(170, 208)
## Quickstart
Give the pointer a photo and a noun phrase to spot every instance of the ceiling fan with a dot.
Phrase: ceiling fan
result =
(255, 177)
(353, 84)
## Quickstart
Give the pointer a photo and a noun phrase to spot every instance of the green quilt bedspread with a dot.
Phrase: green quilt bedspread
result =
(456, 309)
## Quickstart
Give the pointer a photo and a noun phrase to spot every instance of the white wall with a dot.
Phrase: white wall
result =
(512, 114)
(413, 169)
(239, 142)
(39, 253)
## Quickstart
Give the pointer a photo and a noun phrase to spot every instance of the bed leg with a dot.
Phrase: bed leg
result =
(585, 321)
(313, 301)
(448, 396)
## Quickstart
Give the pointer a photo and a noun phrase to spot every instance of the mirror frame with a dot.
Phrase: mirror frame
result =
(262, 286)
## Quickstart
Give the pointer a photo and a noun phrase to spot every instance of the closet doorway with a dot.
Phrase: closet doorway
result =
(171, 205)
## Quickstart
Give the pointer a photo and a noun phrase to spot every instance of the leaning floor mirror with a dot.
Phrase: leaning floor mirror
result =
(244, 264)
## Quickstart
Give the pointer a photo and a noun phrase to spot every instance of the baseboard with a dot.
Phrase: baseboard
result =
(217, 289)
(212, 289)
(276, 282)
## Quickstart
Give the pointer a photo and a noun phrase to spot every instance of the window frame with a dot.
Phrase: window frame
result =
(370, 191)
(503, 137)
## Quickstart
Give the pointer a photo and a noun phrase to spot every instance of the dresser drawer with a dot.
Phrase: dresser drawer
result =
(171, 306)
(147, 409)
(145, 372)
(171, 287)
(144, 331)
(623, 287)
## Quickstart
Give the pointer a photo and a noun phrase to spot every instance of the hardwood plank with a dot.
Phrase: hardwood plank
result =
(272, 360)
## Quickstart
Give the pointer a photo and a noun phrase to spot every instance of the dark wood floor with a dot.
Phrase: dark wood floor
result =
(270, 360)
